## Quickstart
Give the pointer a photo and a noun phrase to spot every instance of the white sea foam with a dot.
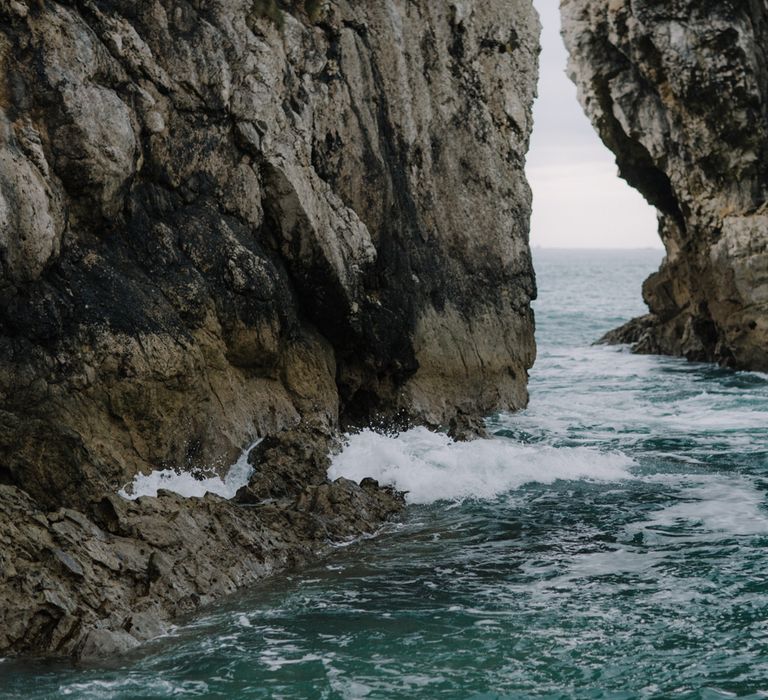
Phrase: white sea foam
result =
(710, 503)
(432, 467)
(131, 687)
(186, 484)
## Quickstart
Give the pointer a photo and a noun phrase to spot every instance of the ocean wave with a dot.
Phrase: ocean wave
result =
(707, 503)
(187, 484)
(431, 467)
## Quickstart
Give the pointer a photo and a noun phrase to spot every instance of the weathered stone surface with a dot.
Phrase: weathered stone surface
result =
(215, 223)
(225, 220)
(97, 585)
(679, 92)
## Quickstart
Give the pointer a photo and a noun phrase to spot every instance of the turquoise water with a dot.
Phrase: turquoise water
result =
(609, 542)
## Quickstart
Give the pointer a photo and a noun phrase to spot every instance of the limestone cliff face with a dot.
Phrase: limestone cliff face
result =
(679, 91)
(222, 219)
(218, 218)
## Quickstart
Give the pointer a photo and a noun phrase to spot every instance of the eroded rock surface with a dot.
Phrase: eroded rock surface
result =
(679, 91)
(98, 583)
(227, 219)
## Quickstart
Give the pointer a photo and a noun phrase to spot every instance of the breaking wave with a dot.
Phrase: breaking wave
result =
(187, 484)
(432, 467)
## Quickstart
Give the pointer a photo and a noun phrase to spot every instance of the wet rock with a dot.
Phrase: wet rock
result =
(342, 509)
(463, 427)
(103, 644)
(288, 461)
(679, 92)
(78, 591)
(146, 625)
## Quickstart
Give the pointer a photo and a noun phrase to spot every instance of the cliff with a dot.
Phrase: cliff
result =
(235, 219)
(679, 92)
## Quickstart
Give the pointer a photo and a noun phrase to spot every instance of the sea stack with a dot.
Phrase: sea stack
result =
(679, 92)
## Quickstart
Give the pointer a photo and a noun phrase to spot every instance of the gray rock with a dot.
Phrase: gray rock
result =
(73, 591)
(679, 92)
(69, 563)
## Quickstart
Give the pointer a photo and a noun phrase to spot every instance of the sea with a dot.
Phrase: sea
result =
(611, 541)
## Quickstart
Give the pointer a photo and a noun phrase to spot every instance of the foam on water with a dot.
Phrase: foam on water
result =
(431, 467)
(186, 484)
(712, 503)
(158, 688)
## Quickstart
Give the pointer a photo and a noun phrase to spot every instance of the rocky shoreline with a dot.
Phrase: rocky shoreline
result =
(95, 583)
(284, 219)
(236, 220)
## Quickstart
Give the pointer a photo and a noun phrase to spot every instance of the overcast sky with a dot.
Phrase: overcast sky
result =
(578, 199)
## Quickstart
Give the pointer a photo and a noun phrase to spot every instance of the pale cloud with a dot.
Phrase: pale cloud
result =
(579, 200)
(585, 205)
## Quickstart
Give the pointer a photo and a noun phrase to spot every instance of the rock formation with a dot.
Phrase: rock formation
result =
(679, 92)
(238, 218)
(98, 584)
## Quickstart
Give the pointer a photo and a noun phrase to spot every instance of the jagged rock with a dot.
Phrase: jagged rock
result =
(104, 643)
(231, 220)
(679, 92)
(99, 585)
(288, 461)
(463, 427)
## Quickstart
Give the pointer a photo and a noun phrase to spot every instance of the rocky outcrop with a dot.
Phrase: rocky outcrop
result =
(222, 220)
(98, 584)
(679, 92)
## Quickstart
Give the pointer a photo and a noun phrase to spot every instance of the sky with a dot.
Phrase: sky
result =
(579, 201)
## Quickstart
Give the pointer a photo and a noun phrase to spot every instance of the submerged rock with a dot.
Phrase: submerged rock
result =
(679, 92)
(223, 221)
